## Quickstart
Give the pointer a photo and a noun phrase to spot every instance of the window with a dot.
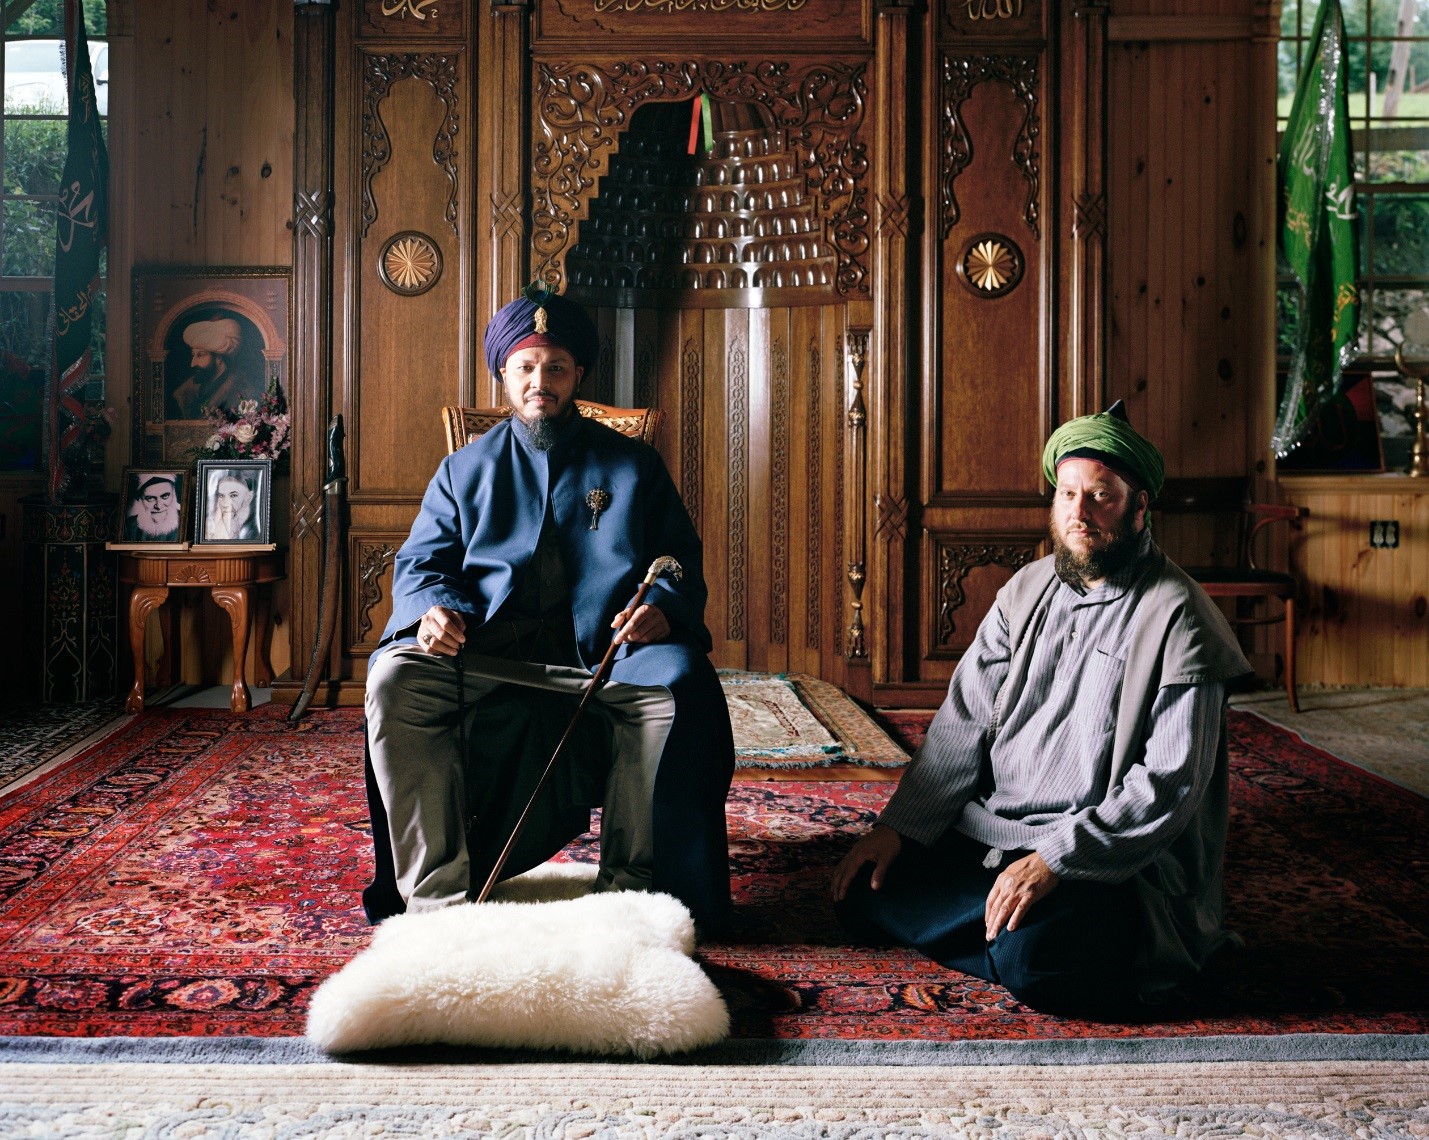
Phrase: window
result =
(1388, 80)
(32, 155)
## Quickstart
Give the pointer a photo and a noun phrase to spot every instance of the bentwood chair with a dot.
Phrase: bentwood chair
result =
(1247, 583)
(464, 424)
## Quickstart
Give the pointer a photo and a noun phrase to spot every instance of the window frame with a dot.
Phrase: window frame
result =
(43, 285)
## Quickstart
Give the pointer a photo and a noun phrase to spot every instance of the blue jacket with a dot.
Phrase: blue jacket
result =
(481, 519)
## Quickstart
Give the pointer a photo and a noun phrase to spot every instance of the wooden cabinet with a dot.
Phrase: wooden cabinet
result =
(1364, 617)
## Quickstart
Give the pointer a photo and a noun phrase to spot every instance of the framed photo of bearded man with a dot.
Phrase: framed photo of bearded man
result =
(233, 501)
(205, 338)
(155, 515)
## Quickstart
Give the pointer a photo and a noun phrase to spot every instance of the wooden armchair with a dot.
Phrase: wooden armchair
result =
(462, 425)
(1245, 581)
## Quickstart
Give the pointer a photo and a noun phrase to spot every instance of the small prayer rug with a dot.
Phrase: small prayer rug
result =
(792, 720)
(33, 736)
(197, 874)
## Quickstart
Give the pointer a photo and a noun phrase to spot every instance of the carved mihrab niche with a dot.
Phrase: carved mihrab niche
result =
(814, 112)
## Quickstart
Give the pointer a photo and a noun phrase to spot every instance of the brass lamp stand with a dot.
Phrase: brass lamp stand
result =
(1419, 456)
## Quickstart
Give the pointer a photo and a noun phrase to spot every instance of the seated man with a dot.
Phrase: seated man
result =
(507, 591)
(1060, 830)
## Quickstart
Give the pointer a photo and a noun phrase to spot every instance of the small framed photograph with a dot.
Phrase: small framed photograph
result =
(155, 510)
(233, 501)
(205, 337)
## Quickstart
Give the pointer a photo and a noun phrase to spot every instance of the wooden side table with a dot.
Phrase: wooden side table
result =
(228, 573)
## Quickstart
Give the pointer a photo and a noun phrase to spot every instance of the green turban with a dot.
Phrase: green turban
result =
(1108, 438)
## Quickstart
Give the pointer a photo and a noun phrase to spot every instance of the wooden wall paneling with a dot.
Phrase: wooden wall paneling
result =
(755, 432)
(964, 567)
(888, 379)
(1365, 615)
(413, 192)
(368, 583)
(1412, 618)
(853, 522)
(995, 354)
(799, 26)
(1001, 360)
(723, 449)
(311, 399)
(1082, 205)
(1129, 202)
(212, 104)
(1254, 316)
(503, 165)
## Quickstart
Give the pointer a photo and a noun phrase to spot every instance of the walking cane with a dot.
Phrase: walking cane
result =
(659, 566)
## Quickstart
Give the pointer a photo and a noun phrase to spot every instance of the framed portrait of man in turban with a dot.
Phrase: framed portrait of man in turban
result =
(234, 496)
(206, 339)
(155, 510)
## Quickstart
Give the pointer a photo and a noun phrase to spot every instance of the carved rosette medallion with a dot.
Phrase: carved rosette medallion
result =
(991, 266)
(579, 111)
(410, 263)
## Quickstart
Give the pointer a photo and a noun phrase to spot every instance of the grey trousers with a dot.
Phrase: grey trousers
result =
(417, 759)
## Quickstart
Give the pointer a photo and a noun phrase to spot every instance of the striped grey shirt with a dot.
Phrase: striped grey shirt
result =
(1040, 784)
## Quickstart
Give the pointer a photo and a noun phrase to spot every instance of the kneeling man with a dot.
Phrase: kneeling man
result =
(519, 571)
(1060, 831)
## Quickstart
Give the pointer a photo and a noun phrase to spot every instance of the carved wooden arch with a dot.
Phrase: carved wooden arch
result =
(379, 72)
(960, 74)
(579, 111)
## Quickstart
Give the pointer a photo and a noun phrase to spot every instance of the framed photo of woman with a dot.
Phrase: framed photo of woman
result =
(234, 497)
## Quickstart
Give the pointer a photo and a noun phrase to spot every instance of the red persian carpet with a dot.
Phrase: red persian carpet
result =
(197, 874)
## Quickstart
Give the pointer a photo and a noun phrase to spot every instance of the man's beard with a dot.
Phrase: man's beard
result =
(165, 522)
(1096, 565)
(540, 431)
(204, 376)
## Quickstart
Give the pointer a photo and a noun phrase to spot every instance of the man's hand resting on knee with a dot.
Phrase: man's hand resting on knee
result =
(1019, 886)
(441, 631)
(881, 847)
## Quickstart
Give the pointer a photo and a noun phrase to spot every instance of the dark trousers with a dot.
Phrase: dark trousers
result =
(1073, 953)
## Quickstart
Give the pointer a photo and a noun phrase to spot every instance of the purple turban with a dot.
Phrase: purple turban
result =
(543, 318)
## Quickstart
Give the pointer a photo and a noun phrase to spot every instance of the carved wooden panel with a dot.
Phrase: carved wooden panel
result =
(579, 112)
(990, 19)
(994, 343)
(960, 74)
(733, 226)
(379, 73)
(754, 419)
(803, 24)
(409, 337)
(369, 561)
(967, 572)
(813, 479)
(412, 19)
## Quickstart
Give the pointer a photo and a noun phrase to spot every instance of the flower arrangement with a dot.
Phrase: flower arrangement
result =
(256, 429)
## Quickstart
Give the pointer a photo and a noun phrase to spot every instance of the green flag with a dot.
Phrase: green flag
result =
(80, 223)
(1317, 229)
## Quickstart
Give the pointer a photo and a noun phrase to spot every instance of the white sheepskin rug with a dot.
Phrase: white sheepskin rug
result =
(550, 966)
